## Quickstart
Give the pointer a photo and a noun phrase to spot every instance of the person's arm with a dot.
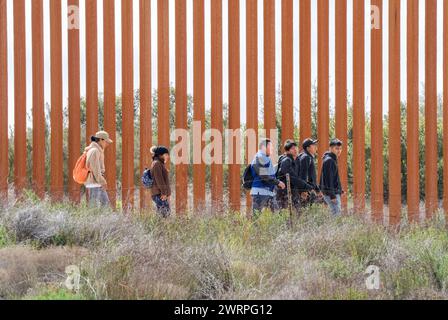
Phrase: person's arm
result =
(167, 186)
(159, 179)
(328, 170)
(261, 171)
(304, 167)
(296, 181)
(313, 176)
(95, 167)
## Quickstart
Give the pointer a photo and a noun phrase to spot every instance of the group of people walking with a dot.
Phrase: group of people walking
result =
(268, 184)
(95, 170)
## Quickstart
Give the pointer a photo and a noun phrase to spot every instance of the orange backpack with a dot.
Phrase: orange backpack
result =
(80, 172)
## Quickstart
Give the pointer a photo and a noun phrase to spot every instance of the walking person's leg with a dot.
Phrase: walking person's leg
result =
(296, 203)
(98, 197)
(274, 205)
(334, 205)
(338, 205)
(259, 203)
(163, 207)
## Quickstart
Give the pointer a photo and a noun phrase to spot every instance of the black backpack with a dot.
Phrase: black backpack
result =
(248, 178)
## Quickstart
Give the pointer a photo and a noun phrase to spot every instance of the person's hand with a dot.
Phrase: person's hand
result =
(304, 195)
(163, 198)
(281, 185)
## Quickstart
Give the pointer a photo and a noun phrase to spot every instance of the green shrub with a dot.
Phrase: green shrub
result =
(55, 294)
(5, 238)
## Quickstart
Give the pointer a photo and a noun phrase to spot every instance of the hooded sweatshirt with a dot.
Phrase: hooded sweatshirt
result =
(307, 169)
(161, 179)
(287, 165)
(330, 183)
(95, 164)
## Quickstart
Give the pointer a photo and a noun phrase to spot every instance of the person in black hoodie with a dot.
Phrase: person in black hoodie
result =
(287, 165)
(307, 171)
(330, 182)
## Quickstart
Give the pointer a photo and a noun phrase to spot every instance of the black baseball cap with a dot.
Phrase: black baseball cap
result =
(309, 142)
(289, 144)
(336, 143)
(161, 150)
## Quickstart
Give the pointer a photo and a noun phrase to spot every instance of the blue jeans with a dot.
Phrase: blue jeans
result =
(98, 197)
(163, 207)
(335, 206)
(260, 202)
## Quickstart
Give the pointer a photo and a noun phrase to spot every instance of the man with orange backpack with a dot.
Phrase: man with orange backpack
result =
(90, 169)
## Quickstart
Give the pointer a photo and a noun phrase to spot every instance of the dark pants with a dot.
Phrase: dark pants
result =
(282, 199)
(260, 202)
(163, 207)
(312, 199)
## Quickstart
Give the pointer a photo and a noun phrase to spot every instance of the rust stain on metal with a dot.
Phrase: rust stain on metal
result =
(163, 73)
(341, 89)
(305, 69)
(199, 99)
(234, 103)
(109, 97)
(269, 67)
(145, 97)
(359, 176)
(4, 161)
(216, 182)
(57, 165)
(431, 109)
(181, 102)
(74, 98)
(20, 142)
(394, 114)
(413, 170)
(251, 80)
(38, 99)
(323, 117)
(377, 169)
(287, 71)
(92, 69)
(445, 106)
(128, 185)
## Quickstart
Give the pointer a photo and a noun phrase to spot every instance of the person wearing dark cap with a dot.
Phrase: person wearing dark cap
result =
(330, 182)
(161, 190)
(287, 165)
(307, 169)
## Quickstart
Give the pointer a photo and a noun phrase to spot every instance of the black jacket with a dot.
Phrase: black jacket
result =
(307, 169)
(330, 183)
(286, 164)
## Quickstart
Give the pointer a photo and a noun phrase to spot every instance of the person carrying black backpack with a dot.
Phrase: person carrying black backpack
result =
(260, 177)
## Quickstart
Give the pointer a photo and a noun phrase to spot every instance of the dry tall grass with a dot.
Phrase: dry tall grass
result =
(216, 257)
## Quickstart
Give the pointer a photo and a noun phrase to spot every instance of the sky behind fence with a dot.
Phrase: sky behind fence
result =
(278, 31)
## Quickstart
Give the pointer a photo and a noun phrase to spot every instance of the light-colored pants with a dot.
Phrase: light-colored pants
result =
(335, 206)
(98, 197)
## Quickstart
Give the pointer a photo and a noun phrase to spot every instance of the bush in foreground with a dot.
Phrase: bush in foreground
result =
(215, 257)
